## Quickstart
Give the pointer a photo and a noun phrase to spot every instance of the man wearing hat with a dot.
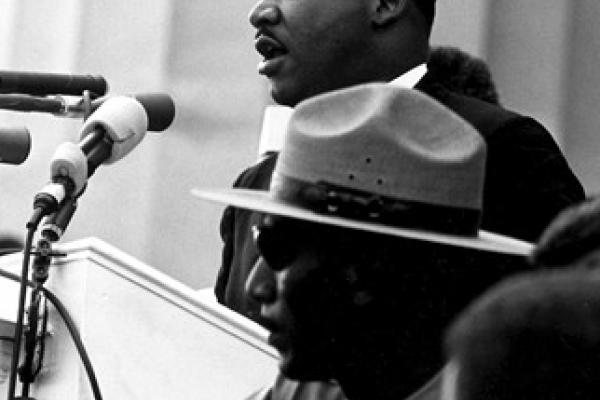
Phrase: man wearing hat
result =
(535, 336)
(370, 239)
(314, 46)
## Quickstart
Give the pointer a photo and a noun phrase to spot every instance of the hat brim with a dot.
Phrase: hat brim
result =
(261, 201)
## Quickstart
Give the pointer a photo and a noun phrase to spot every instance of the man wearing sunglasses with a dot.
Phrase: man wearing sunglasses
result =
(314, 46)
(370, 241)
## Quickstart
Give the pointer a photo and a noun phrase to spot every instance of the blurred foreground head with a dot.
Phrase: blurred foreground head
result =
(532, 337)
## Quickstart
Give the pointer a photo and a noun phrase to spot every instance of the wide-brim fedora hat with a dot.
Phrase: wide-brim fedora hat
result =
(384, 159)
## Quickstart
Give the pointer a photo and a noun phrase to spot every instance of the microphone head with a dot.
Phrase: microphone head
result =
(15, 144)
(42, 83)
(160, 109)
(123, 119)
(69, 160)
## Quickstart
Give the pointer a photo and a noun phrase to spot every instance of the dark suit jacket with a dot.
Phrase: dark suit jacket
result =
(528, 181)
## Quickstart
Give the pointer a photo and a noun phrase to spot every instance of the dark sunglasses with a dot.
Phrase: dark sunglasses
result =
(276, 246)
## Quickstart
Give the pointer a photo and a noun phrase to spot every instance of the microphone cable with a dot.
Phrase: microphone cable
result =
(73, 331)
(31, 228)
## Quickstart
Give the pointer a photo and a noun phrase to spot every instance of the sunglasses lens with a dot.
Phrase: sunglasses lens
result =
(274, 247)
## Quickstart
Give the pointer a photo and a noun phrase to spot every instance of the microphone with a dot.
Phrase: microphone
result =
(38, 83)
(56, 223)
(15, 144)
(109, 134)
(113, 130)
(159, 105)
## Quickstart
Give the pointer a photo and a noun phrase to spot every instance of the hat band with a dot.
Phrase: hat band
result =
(331, 199)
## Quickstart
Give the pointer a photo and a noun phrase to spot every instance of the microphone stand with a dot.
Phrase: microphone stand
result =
(52, 231)
(36, 330)
(34, 333)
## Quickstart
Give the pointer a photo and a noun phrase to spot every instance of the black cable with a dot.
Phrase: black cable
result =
(70, 324)
(85, 359)
(26, 373)
(20, 312)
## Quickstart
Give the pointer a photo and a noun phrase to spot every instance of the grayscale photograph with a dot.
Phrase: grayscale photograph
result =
(299, 200)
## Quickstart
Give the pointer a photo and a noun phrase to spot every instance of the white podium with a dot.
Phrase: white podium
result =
(148, 336)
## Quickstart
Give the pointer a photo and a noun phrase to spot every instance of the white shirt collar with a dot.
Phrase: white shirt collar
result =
(410, 78)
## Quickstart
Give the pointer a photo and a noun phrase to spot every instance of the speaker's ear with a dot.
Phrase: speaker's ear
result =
(387, 11)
